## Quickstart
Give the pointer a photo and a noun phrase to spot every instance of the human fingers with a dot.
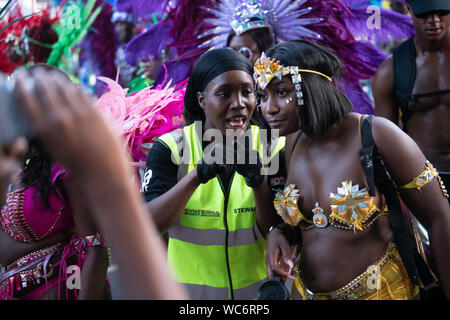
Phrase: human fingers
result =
(268, 266)
(282, 269)
(272, 256)
(274, 264)
(274, 260)
(72, 98)
(24, 90)
(47, 88)
(288, 256)
(42, 105)
(239, 152)
(228, 155)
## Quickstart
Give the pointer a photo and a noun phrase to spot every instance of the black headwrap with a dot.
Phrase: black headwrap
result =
(210, 65)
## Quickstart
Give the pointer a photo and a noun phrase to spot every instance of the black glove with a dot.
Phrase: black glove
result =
(248, 163)
(211, 165)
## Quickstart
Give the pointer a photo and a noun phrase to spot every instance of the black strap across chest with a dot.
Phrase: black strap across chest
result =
(405, 72)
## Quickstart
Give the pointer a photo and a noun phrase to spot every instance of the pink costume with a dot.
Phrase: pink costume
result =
(25, 218)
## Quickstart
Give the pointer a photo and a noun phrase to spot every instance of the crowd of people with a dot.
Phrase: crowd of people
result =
(280, 166)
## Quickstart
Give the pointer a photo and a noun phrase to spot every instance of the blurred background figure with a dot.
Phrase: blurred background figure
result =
(37, 223)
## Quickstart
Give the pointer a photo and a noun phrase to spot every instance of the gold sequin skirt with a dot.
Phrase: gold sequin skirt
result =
(386, 279)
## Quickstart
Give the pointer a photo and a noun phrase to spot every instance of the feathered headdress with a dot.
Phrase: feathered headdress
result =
(284, 18)
(98, 48)
(390, 25)
(320, 21)
(199, 26)
(134, 11)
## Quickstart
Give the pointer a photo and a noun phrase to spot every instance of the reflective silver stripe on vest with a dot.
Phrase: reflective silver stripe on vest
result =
(202, 292)
(250, 292)
(215, 237)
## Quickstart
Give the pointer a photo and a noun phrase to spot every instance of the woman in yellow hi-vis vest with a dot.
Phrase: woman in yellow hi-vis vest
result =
(212, 209)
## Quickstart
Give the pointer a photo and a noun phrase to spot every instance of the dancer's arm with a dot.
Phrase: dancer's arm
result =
(93, 274)
(168, 207)
(405, 161)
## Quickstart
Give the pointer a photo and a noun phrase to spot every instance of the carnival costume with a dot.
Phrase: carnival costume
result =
(25, 218)
(25, 39)
(42, 37)
(336, 25)
(160, 35)
(352, 208)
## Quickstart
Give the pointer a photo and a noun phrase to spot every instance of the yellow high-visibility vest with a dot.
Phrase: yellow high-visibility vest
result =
(216, 248)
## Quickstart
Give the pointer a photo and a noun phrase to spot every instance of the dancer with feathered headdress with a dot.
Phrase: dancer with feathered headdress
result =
(198, 27)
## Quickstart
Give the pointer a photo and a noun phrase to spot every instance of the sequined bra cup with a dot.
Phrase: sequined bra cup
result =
(25, 218)
(351, 209)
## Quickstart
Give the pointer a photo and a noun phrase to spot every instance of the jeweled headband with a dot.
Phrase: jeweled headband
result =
(266, 69)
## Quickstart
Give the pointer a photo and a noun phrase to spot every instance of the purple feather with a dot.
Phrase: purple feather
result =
(360, 100)
(188, 18)
(98, 48)
(149, 43)
(141, 8)
(176, 71)
(393, 25)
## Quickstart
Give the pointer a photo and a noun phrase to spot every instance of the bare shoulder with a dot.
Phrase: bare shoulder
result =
(383, 91)
(385, 72)
(388, 135)
(383, 81)
(399, 151)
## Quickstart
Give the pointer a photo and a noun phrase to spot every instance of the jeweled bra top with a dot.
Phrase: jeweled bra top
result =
(25, 218)
(351, 209)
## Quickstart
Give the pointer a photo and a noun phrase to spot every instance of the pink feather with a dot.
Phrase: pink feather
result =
(144, 116)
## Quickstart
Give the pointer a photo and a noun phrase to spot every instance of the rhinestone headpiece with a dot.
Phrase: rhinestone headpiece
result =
(266, 69)
(284, 18)
(249, 15)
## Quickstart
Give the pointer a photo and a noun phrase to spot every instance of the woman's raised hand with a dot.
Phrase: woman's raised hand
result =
(65, 121)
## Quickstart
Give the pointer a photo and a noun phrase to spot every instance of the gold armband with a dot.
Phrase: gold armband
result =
(424, 178)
